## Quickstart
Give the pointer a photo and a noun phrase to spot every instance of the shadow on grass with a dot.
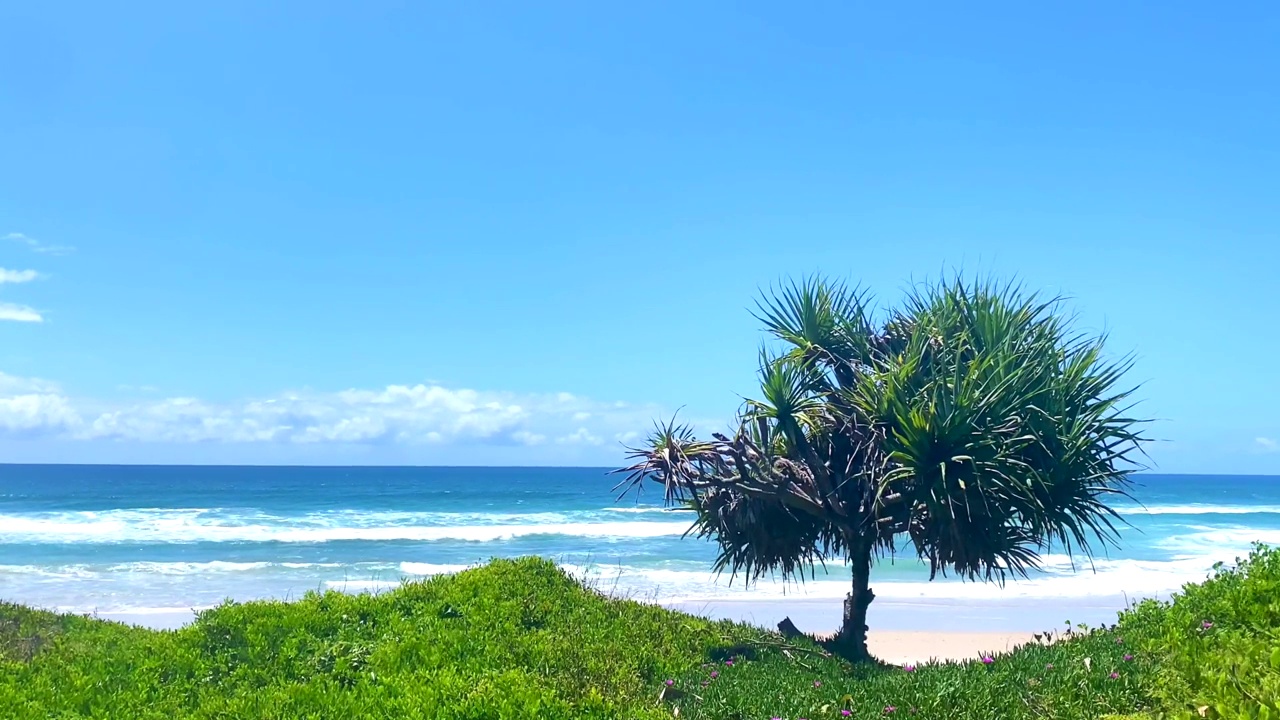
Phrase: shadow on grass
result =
(25, 632)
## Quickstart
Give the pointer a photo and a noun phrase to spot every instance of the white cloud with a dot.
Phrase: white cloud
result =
(581, 436)
(17, 276)
(33, 406)
(19, 313)
(1267, 444)
(22, 313)
(37, 246)
(402, 415)
(12, 384)
(36, 414)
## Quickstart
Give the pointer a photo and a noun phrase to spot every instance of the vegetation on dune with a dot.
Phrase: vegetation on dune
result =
(972, 425)
(520, 639)
(512, 640)
(1216, 649)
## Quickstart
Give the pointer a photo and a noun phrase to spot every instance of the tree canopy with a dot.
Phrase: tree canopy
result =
(971, 425)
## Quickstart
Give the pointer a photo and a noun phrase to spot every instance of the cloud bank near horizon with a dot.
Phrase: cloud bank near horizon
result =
(414, 416)
(426, 423)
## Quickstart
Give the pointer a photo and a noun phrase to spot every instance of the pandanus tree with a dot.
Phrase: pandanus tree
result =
(971, 427)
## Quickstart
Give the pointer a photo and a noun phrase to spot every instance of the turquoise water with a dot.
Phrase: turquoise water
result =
(152, 539)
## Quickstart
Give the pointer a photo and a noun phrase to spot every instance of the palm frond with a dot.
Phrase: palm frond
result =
(824, 323)
(974, 423)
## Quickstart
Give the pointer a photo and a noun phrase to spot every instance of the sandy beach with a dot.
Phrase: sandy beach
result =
(909, 646)
(917, 632)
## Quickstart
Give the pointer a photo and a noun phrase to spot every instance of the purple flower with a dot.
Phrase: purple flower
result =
(715, 674)
(987, 659)
(889, 709)
(728, 663)
(817, 683)
(1206, 625)
(909, 667)
(1114, 676)
(670, 683)
(1127, 657)
(845, 713)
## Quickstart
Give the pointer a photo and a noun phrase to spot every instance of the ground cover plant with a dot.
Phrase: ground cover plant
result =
(1216, 649)
(520, 639)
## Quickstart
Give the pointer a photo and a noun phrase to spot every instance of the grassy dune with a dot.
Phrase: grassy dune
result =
(519, 639)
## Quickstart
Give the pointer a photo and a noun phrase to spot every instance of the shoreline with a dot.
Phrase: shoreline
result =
(899, 647)
(893, 646)
(1024, 616)
(901, 631)
(810, 615)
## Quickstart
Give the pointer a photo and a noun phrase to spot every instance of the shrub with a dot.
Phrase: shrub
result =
(515, 639)
(1217, 643)
(520, 639)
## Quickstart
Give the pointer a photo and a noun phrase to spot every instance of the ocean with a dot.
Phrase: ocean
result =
(142, 540)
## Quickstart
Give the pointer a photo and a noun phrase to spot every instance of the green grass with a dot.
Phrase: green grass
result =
(519, 639)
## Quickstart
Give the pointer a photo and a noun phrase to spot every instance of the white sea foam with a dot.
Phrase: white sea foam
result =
(191, 526)
(356, 586)
(683, 581)
(421, 568)
(1224, 542)
(376, 518)
(135, 612)
(1166, 563)
(647, 510)
(1199, 509)
(83, 571)
(68, 572)
(1109, 578)
(1190, 555)
(188, 568)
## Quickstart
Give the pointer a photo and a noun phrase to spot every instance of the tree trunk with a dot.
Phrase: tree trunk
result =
(852, 640)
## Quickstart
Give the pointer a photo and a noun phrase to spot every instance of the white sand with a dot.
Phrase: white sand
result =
(904, 646)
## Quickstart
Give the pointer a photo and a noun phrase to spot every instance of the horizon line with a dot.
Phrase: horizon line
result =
(606, 468)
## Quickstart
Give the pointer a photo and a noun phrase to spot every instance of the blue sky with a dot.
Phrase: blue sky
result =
(515, 232)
